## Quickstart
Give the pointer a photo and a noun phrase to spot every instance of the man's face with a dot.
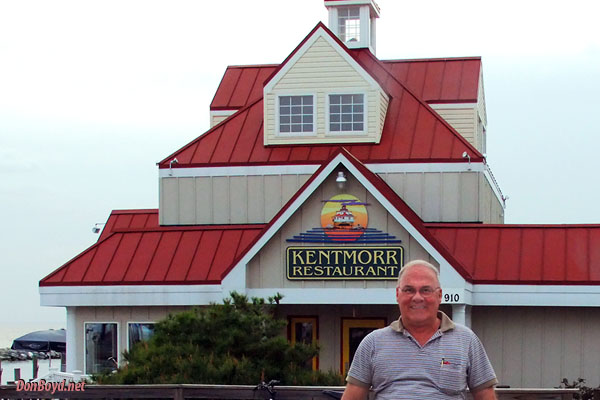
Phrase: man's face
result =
(418, 296)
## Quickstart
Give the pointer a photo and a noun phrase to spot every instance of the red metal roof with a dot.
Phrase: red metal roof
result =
(525, 254)
(443, 80)
(135, 253)
(240, 86)
(412, 132)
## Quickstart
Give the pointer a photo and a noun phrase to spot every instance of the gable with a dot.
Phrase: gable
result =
(322, 185)
(268, 268)
(319, 68)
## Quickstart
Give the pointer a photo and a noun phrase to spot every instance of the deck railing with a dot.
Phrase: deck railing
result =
(234, 392)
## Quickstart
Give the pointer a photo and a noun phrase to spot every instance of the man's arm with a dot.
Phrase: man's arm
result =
(355, 392)
(485, 394)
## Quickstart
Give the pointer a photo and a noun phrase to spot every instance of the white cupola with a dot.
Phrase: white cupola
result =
(353, 22)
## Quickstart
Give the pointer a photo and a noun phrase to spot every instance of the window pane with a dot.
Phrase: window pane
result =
(100, 347)
(358, 118)
(307, 128)
(346, 117)
(140, 332)
(334, 109)
(296, 114)
(334, 127)
(357, 108)
(347, 99)
(358, 98)
(334, 99)
(335, 118)
(346, 109)
(346, 127)
(357, 127)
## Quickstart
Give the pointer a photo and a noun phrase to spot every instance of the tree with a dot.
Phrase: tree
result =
(237, 342)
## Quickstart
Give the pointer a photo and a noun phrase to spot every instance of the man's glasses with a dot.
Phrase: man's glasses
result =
(424, 291)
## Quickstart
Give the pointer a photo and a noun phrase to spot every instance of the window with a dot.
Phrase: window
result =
(346, 112)
(349, 24)
(304, 330)
(353, 332)
(139, 331)
(100, 347)
(296, 114)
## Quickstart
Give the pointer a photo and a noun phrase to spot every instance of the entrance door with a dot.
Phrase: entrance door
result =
(353, 332)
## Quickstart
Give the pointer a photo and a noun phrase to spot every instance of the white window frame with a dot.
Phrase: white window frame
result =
(365, 130)
(85, 343)
(359, 19)
(135, 322)
(315, 112)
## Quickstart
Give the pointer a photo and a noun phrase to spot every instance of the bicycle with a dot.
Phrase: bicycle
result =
(269, 387)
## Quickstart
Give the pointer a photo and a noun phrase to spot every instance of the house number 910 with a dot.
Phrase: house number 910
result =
(451, 298)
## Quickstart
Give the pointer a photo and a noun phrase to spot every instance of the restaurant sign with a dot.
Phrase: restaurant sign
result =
(344, 263)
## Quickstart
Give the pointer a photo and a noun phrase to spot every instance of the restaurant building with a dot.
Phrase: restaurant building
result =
(319, 178)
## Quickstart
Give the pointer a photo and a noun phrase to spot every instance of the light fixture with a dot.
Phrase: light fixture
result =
(341, 179)
(97, 226)
(468, 157)
(173, 161)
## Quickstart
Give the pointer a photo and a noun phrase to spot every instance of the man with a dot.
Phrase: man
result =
(422, 355)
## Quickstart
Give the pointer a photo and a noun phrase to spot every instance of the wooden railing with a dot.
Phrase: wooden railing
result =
(231, 392)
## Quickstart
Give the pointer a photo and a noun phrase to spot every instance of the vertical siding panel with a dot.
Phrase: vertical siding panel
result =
(254, 274)
(187, 201)
(289, 186)
(591, 346)
(204, 200)
(432, 196)
(485, 200)
(272, 192)
(256, 199)
(271, 276)
(238, 198)
(573, 339)
(512, 346)
(413, 192)
(396, 182)
(532, 347)
(469, 197)
(170, 202)
(450, 197)
(490, 320)
(553, 346)
(220, 191)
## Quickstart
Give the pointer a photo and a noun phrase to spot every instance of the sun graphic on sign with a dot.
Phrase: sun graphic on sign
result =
(345, 217)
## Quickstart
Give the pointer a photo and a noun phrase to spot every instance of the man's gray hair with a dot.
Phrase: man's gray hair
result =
(422, 263)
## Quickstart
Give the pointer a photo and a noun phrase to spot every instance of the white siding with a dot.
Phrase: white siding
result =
(539, 346)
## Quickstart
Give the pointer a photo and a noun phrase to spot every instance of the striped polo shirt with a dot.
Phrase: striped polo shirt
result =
(396, 366)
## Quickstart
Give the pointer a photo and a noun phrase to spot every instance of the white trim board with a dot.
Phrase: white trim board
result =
(312, 168)
(537, 295)
(132, 295)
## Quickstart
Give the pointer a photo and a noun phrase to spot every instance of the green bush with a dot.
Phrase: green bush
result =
(237, 342)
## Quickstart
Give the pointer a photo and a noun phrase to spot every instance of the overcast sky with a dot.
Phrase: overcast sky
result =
(94, 93)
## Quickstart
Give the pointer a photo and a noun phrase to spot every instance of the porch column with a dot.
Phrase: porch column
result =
(71, 339)
(461, 314)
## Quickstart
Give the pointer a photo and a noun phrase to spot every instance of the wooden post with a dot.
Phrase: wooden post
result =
(0, 370)
(17, 374)
(36, 367)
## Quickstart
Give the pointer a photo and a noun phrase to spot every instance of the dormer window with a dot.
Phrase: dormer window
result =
(349, 24)
(296, 114)
(347, 113)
